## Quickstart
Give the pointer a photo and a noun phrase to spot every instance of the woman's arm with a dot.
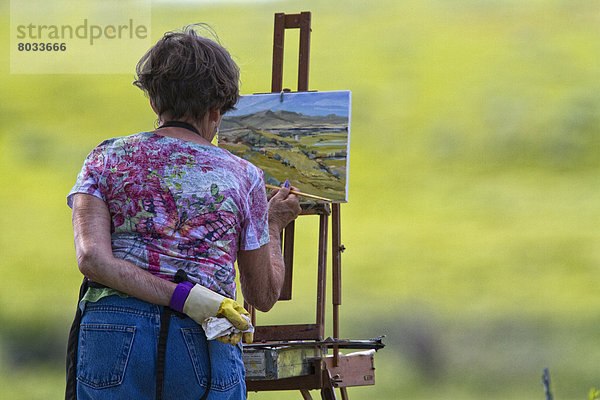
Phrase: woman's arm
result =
(262, 270)
(91, 226)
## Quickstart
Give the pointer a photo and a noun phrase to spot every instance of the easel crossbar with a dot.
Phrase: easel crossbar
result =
(288, 332)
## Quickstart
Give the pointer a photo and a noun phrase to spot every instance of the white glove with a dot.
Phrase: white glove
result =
(203, 303)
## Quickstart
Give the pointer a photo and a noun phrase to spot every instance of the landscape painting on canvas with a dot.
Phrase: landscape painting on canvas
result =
(303, 137)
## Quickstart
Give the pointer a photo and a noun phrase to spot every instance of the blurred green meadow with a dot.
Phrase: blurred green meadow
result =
(472, 228)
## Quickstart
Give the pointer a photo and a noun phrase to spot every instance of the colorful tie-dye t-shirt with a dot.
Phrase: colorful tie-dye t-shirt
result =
(178, 205)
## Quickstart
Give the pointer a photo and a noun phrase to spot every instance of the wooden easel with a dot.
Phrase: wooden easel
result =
(327, 373)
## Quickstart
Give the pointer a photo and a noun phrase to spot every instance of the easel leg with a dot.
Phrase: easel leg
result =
(327, 390)
(328, 393)
(305, 394)
(344, 393)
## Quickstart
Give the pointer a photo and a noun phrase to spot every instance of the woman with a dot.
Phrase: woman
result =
(148, 205)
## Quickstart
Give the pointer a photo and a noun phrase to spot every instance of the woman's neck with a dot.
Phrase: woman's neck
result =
(183, 130)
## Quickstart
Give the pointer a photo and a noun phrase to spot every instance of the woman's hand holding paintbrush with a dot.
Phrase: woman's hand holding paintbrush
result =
(283, 207)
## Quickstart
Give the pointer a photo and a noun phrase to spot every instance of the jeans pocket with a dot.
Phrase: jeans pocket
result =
(223, 370)
(103, 354)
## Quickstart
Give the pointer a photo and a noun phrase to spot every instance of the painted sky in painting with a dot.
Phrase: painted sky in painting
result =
(307, 103)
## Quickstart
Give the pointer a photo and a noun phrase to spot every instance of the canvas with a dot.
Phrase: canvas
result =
(303, 137)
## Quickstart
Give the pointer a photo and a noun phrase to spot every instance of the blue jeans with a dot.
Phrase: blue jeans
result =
(117, 355)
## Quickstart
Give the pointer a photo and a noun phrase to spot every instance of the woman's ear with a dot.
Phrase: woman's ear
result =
(214, 116)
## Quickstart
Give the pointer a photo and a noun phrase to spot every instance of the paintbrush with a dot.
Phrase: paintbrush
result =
(297, 193)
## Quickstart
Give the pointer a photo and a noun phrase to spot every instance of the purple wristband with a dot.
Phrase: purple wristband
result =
(180, 295)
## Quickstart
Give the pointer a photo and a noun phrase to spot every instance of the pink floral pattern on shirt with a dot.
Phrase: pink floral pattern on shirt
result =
(178, 205)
